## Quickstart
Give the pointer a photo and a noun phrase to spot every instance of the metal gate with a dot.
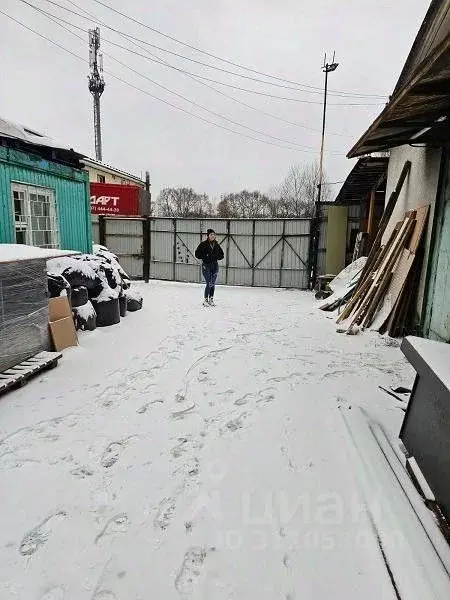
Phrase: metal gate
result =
(258, 252)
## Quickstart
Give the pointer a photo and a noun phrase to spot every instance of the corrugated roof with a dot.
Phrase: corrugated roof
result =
(419, 108)
(11, 130)
(361, 180)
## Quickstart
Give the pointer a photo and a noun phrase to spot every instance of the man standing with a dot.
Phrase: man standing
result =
(209, 252)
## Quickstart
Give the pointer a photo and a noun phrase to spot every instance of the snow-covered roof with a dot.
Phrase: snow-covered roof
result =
(16, 252)
(8, 129)
(90, 162)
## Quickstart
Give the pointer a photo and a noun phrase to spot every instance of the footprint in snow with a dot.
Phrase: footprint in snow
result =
(39, 535)
(112, 454)
(234, 424)
(189, 572)
(143, 409)
(55, 593)
(105, 595)
(116, 524)
(243, 400)
(165, 513)
(82, 472)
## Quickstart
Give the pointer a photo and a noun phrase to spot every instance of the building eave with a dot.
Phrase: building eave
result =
(90, 162)
(421, 104)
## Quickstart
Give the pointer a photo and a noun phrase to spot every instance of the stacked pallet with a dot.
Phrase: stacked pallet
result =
(382, 298)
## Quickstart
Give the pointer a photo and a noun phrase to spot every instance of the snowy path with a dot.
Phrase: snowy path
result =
(196, 453)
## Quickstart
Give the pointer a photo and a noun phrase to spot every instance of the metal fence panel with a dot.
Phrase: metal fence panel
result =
(295, 278)
(219, 226)
(125, 236)
(162, 224)
(161, 244)
(241, 227)
(186, 245)
(95, 230)
(237, 276)
(240, 251)
(258, 252)
(266, 277)
(297, 226)
(188, 273)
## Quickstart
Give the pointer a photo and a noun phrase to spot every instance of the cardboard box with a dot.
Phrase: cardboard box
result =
(59, 308)
(61, 324)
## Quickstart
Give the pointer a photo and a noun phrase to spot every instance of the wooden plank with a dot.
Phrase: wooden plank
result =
(21, 373)
(5, 384)
(395, 289)
(11, 377)
(371, 219)
(382, 263)
(47, 355)
(387, 214)
(386, 278)
(385, 267)
(397, 321)
(392, 304)
(421, 221)
(354, 300)
(372, 308)
(362, 287)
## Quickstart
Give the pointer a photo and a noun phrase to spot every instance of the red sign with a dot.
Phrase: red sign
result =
(113, 199)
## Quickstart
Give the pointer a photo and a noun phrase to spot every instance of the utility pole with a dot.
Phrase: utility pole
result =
(96, 86)
(315, 225)
(147, 189)
(327, 68)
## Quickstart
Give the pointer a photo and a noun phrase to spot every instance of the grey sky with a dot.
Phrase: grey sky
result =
(46, 88)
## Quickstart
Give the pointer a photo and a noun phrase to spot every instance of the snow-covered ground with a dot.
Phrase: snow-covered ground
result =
(197, 452)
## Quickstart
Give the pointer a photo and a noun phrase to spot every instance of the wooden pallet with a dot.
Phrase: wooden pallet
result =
(19, 375)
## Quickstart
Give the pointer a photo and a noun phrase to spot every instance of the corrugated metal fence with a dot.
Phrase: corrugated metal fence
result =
(258, 252)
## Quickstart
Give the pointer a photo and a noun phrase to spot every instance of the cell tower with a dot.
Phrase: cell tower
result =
(96, 86)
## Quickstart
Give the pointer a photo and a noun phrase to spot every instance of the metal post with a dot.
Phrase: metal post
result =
(147, 189)
(322, 142)
(174, 221)
(315, 223)
(146, 248)
(283, 243)
(102, 230)
(253, 252)
(227, 259)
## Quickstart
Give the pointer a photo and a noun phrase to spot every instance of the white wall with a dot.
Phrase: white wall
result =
(110, 177)
(419, 188)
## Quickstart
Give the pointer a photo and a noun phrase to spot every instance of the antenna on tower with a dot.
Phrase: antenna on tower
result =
(96, 86)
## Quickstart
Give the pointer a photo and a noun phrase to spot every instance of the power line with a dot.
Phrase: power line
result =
(174, 39)
(284, 141)
(230, 85)
(125, 82)
(160, 62)
(221, 93)
(233, 73)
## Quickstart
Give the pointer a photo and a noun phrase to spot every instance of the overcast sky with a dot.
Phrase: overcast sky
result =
(45, 88)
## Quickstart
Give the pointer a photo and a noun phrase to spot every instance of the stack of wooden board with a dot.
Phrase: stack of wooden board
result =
(382, 298)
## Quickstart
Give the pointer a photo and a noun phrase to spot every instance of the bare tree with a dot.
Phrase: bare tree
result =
(244, 205)
(297, 193)
(183, 202)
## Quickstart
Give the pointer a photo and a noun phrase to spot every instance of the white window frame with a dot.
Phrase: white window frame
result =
(26, 221)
